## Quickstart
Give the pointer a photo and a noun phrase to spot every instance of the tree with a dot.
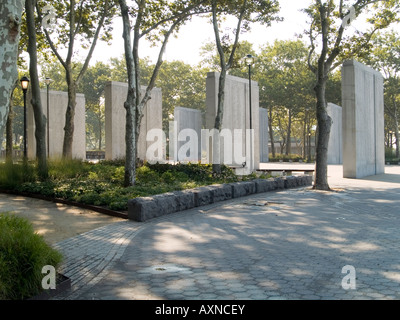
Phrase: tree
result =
(329, 20)
(40, 119)
(156, 20)
(286, 89)
(84, 22)
(10, 25)
(246, 11)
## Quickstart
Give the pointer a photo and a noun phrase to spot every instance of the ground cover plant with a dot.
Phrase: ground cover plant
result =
(101, 184)
(23, 254)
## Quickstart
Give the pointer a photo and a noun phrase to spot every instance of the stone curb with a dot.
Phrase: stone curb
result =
(145, 208)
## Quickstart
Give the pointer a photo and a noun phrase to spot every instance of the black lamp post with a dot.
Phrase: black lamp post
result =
(249, 60)
(25, 84)
(47, 81)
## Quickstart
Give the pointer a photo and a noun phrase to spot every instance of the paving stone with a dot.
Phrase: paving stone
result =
(235, 252)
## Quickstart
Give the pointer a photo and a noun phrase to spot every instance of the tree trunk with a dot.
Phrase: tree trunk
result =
(40, 119)
(10, 22)
(288, 136)
(396, 128)
(100, 134)
(130, 138)
(218, 122)
(304, 151)
(308, 143)
(9, 135)
(69, 117)
(271, 132)
(9, 130)
(131, 100)
(323, 133)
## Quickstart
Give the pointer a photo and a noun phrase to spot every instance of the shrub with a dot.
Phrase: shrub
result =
(168, 177)
(23, 254)
(147, 175)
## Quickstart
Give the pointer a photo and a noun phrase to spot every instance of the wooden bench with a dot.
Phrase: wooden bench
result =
(287, 171)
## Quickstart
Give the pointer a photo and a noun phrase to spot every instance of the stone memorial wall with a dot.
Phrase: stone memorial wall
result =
(187, 135)
(115, 120)
(363, 121)
(335, 149)
(264, 138)
(236, 121)
(58, 102)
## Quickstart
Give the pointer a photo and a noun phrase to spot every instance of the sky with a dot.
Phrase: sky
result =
(191, 37)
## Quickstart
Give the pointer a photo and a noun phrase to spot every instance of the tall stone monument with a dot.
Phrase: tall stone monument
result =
(363, 121)
(264, 138)
(115, 120)
(188, 122)
(335, 149)
(236, 120)
(58, 102)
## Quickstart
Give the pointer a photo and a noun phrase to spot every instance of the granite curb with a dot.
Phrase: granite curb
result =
(145, 208)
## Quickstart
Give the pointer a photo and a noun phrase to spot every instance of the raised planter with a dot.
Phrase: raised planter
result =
(145, 208)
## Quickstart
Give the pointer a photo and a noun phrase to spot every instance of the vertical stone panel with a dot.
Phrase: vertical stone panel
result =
(187, 118)
(115, 120)
(264, 138)
(58, 102)
(236, 113)
(363, 122)
(335, 155)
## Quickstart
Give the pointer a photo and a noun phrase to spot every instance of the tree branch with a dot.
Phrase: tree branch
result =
(183, 14)
(239, 25)
(94, 42)
(71, 33)
(217, 36)
(52, 46)
(78, 25)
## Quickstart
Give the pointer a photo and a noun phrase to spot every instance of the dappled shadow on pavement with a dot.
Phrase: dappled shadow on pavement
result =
(292, 248)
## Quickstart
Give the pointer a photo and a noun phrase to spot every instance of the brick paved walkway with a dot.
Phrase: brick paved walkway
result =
(291, 244)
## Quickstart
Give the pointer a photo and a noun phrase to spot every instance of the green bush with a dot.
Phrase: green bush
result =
(23, 254)
(168, 177)
(147, 175)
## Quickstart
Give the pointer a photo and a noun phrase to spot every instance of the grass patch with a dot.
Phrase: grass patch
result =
(23, 254)
(101, 184)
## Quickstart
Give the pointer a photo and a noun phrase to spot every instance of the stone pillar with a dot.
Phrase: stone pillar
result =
(264, 138)
(115, 120)
(58, 102)
(363, 121)
(335, 149)
(191, 119)
(236, 116)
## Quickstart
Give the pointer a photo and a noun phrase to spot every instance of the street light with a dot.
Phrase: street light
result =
(25, 84)
(249, 60)
(47, 81)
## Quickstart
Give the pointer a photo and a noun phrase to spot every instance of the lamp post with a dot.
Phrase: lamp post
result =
(249, 60)
(47, 81)
(25, 84)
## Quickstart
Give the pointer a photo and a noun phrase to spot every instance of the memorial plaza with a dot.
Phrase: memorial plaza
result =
(288, 244)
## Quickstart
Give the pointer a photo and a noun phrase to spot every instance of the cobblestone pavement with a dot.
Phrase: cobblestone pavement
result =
(291, 244)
